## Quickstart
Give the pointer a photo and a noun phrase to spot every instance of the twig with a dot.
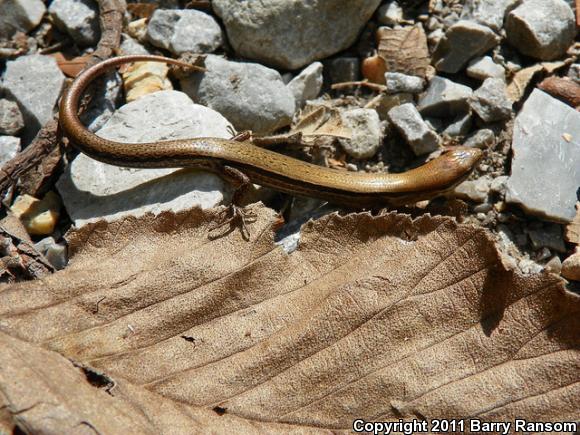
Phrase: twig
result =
(111, 21)
(370, 85)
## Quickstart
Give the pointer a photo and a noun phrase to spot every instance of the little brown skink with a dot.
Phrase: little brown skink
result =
(262, 166)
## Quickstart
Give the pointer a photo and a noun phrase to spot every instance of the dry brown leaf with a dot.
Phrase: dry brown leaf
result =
(141, 10)
(71, 67)
(520, 81)
(42, 392)
(399, 50)
(573, 228)
(358, 323)
(321, 121)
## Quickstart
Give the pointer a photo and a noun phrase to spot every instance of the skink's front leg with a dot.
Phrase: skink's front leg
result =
(235, 214)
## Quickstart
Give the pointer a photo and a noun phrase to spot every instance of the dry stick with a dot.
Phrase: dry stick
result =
(111, 22)
(374, 86)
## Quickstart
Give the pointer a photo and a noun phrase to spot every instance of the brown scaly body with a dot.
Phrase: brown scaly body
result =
(262, 166)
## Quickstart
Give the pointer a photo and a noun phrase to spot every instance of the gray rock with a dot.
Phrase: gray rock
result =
(402, 83)
(11, 121)
(35, 83)
(463, 41)
(306, 85)
(498, 184)
(344, 69)
(545, 176)
(574, 72)
(435, 37)
(475, 190)
(292, 34)
(184, 31)
(554, 265)
(460, 126)
(250, 95)
(390, 13)
(19, 16)
(131, 46)
(365, 126)
(92, 190)
(9, 147)
(78, 18)
(483, 68)
(490, 101)
(55, 253)
(483, 139)
(542, 29)
(490, 13)
(382, 103)
(104, 103)
(416, 132)
(444, 98)
(549, 236)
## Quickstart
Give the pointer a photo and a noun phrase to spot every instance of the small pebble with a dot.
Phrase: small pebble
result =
(484, 67)
(390, 13)
(487, 12)
(35, 83)
(554, 265)
(19, 16)
(55, 253)
(574, 72)
(419, 136)
(490, 101)
(366, 134)
(11, 122)
(402, 83)
(498, 185)
(130, 45)
(476, 190)
(460, 126)
(306, 85)
(9, 147)
(543, 254)
(39, 216)
(483, 139)
(482, 208)
(542, 29)
(571, 267)
(463, 41)
(504, 217)
(528, 266)
(251, 96)
(444, 97)
(78, 18)
(184, 31)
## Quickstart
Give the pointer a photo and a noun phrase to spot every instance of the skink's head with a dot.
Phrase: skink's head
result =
(463, 158)
(453, 166)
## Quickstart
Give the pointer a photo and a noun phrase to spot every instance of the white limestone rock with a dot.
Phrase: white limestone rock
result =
(546, 156)
(92, 190)
(292, 34)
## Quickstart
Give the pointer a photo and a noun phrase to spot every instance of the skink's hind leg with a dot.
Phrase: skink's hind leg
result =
(235, 215)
